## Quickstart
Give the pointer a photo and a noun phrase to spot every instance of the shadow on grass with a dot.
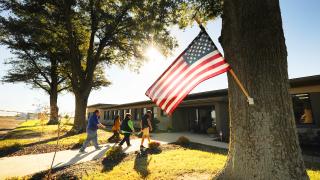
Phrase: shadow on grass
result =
(141, 163)
(65, 175)
(202, 147)
(23, 134)
(5, 129)
(8, 150)
(110, 163)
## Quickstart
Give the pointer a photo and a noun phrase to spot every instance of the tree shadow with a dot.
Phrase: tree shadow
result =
(23, 134)
(202, 147)
(141, 163)
(5, 129)
(8, 150)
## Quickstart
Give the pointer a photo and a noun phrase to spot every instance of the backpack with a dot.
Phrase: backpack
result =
(124, 126)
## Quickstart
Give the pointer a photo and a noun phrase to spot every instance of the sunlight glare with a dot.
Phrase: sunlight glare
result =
(152, 53)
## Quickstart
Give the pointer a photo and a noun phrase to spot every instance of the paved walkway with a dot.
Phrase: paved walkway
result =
(30, 164)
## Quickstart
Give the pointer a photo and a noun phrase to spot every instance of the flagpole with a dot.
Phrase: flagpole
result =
(235, 77)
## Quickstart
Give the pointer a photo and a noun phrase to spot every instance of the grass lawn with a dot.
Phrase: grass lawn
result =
(31, 137)
(8, 123)
(174, 162)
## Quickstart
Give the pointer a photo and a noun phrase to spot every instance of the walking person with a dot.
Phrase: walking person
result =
(92, 127)
(127, 128)
(115, 130)
(146, 127)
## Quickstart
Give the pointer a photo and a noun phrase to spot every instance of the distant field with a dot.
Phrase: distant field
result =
(8, 123)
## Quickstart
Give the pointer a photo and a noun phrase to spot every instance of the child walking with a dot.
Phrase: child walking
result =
(115, 130)
(127, 129)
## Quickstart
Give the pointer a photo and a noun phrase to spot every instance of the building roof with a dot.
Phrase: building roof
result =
(296, 82)
(201, 95)
(305, 81)
(100, 105)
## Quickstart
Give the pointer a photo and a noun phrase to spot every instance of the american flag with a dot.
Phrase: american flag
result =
(199, 62)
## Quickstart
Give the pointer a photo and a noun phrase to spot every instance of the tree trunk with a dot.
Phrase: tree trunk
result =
(79, 125)
(54, 110)
(263, 138)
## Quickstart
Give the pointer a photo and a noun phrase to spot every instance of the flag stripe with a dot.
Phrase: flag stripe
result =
(177, 80)
(172, 68)
(163, 75)
(170, 109)
(169, 83)
(172, 78)
(194, 72)
(183, 84)
(199, 62)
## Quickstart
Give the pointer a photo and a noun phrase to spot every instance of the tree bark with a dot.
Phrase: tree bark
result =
(54, 110)
(81, 102)
(263, 138)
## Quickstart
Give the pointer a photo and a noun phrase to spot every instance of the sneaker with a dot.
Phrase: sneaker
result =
(98, 148)
(82, 151)
(142, 147)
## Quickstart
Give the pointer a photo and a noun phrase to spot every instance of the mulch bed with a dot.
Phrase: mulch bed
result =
(78, 170)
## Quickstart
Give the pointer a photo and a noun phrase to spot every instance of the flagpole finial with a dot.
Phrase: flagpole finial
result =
(196, 18)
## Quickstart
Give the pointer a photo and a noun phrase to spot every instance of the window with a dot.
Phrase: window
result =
(106, 115)
(155, 112)
(111, 114)
(115, 112)
(302, 109)
(144, 110)
(137, 114)
(213, 116)
(122, 113)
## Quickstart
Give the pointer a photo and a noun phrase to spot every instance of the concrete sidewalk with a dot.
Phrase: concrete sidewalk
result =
(30, 164)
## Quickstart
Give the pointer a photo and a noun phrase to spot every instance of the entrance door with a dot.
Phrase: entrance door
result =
(203, 119)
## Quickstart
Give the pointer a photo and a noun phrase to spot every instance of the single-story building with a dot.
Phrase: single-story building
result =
(207, 112)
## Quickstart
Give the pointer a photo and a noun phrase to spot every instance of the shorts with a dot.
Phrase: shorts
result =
(145, 131)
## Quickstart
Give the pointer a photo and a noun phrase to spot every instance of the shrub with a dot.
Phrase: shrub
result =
(182, 140)
(115, 153)
(154, 145)
(81, 140)
(154, 148)
(211, 130)
(79, 144)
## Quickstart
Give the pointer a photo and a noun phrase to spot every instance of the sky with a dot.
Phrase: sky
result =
(301, 26)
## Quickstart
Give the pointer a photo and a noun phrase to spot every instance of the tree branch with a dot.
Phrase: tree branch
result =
(37, 67)
(64, 88)
(41, 86)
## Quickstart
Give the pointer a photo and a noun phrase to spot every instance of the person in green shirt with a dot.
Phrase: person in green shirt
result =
(126, 128)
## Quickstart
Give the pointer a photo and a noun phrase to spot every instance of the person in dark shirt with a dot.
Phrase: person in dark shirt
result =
(93, 125)
(126, 128)
(146, 127)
